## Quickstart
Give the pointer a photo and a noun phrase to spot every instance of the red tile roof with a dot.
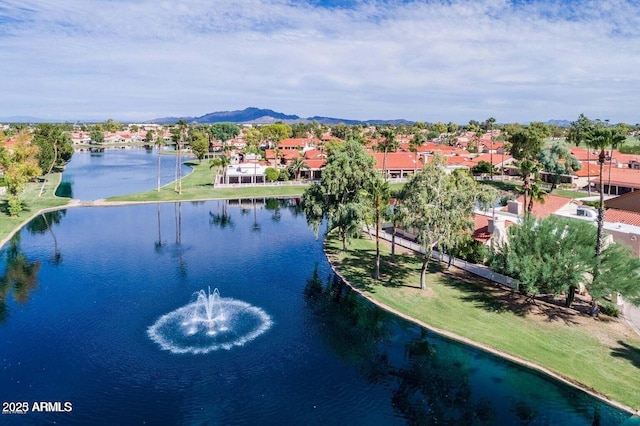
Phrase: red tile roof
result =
(622, 216)
(293, 143)
(621, 176)
(481, 228)
(552, 203)
(588, 169)
(397, 161)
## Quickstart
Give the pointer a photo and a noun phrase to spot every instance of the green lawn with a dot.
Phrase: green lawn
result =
(32, 203)
(600, 354)
(197, 185)
(569, 194)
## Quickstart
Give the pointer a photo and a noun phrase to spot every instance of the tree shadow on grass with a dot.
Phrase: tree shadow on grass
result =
(627, 352)
(358, 266)
(483, 294)
(495, 298)
(396, 272)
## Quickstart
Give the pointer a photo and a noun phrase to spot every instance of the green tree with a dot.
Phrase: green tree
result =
(253, 137)
(482, 168)
(340, 131)
(97, 136)
(21, 165)
(276, 132)
(272, 174)
(437, 205)
(558, 161)
(112, 126)
(199, 143)
(56, 148)
(552, 255)
(339, 195)
(224, 132)
(296, 166)
(619, 272)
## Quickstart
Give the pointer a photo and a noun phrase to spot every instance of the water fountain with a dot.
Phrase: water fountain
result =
(209, 323)
(208, 311)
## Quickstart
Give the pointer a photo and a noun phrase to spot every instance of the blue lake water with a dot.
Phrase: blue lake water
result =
(95, 175)
(82, 287)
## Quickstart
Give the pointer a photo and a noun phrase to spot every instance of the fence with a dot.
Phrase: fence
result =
(473, 268)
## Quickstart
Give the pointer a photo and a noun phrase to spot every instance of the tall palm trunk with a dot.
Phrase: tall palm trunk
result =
(158, 164)
(610, 165)
(596, 269)
(377, 275)
(53, 162)
(589, 170)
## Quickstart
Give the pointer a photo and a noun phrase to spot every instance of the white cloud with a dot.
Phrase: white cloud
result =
(430, 61)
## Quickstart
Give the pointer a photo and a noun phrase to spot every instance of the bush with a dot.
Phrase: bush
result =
(504, 200)
(609, 309)
(15, 206)
(272, 174)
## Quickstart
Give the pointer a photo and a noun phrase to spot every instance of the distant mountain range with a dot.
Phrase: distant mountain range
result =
(249, 115)
(254, 115)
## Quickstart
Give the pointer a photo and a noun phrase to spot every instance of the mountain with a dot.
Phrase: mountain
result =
(247, 115)
(559, 123)
(22, 119)
(254, 115)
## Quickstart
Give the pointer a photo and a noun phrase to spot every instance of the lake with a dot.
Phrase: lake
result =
(100, 308)
(95, 175)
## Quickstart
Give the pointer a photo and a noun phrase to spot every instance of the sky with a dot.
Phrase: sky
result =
(440, 60)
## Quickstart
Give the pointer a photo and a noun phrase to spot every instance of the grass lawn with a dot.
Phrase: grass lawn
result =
(197, 185)
(601, 354)
(32, 202)
(569, 194)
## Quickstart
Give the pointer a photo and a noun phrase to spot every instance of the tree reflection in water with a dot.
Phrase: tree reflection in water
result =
(19, 278)
(221, 217)
(429, 382)
(44, 223)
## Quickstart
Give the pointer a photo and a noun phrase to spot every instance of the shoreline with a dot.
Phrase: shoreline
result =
(485, 348)
(73, 203)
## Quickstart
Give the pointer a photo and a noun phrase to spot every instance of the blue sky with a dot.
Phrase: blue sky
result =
(133, 60)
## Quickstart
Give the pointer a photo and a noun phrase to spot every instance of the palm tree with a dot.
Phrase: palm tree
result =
(220, 162)
(536, 195)
(527, 168)
(388, 144)
(183, 128)
(615, 144)
(490, 121)
(296, 166)
(601, 137)
(378, 193)
(578, 133)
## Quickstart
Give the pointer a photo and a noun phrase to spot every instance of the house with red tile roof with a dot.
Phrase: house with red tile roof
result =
(297, 144)
(553, 204)
(623, 180)
(488, 227)
(397, 164)
(629, 202)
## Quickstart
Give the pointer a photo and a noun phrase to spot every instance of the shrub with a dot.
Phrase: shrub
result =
(610, 309)
(272, 174)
